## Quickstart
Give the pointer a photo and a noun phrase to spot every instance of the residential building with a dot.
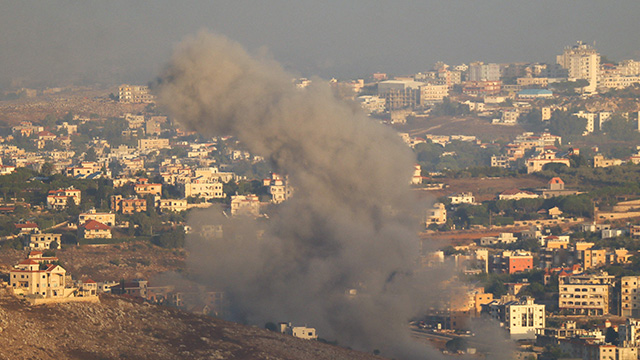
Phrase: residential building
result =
(630, 296)
(583, 62)
(503, 238)
(129, 205)
(153, 144)
(57, 199)
(537, 163)
(279, 187)
(586, 294)
(501, 161)
(94, 230)
(479, 71)
(510, 262)
(142, 187)
(600, 161)
(526, 82)
(432, 93)
(301, 332)
(462, 198)
(134, 94)
(175, 205)
(437, 215)
(522, 318)
(201, 187)
(372, 104)
(108, 219)
(35, 277)
(245, 204)
(41, 241)
(528, 94)
(481, 87)
(517, 194)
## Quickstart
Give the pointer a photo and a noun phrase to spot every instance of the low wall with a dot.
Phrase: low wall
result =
(59, 300)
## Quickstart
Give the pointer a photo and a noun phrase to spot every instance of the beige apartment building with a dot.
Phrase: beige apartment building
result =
(134, 94)
(152, 144)
(630, 296)
(41, 241)
(586, 294)
(108, 219)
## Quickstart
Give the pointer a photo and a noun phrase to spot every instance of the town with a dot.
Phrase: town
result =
(528, 173)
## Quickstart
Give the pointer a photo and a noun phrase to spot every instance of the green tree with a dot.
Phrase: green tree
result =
(46, 169)
(566, 125)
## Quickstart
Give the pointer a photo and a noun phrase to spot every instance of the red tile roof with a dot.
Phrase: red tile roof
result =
(95, 225)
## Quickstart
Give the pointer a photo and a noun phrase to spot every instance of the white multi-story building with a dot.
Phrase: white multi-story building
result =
(521, 317)
(583, 62)
(462, 198)
(479, 71)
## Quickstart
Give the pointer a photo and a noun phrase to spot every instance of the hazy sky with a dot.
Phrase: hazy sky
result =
(128, 41)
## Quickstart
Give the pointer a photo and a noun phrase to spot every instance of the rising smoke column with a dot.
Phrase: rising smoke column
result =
(350, 223)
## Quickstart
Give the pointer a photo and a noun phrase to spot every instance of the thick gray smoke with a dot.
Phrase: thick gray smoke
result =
(349, 225)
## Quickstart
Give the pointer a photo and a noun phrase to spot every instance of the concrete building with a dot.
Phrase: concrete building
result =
(586, 294)
(108, 219)
(630, 296)
(537, 163)
(134, 94)
(500, 161)
(437, 214)
(94, 230)
(175, 205)
(35, 276)
(57, 199)
(462, 198)
(600, 161)
(517, 194)
(41, 241)
(201, 187)
(142, 187)
(301, 332)
(279, 188)
(433, 93)
(372, 104)
(129, 205)
(153, 144)
(400, 94)
(583, 62)
(520, 317)
(479, 71)
(245, 204)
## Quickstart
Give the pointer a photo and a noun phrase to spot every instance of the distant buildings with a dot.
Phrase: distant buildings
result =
(521, 317)
(301, 332)
(586, 294)
(134, 94)
(583, 62)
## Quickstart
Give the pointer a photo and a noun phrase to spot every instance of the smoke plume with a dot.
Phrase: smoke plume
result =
(351, 223)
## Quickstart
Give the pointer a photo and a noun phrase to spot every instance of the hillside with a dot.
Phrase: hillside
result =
(119, 328)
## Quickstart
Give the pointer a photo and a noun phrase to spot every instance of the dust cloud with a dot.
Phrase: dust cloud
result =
(351, 223)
